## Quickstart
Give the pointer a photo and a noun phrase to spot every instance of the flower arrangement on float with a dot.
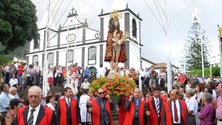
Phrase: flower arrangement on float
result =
(115, 85)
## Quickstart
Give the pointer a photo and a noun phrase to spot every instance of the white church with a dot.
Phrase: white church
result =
(75, 42)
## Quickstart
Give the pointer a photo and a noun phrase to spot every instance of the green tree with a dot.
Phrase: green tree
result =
(17, 24)
(192, 48)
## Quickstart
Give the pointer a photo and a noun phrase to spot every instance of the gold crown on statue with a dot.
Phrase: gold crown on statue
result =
(115, 14)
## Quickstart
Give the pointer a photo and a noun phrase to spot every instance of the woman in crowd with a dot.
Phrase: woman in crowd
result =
(199, 93)
(207, 111)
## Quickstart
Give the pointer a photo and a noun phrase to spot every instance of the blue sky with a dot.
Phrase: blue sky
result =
(156, 45)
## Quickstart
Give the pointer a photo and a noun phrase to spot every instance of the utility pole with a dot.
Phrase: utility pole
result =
(45, 69)
(169, 66)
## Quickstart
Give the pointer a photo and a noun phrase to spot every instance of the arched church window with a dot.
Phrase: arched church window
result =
(92, 55)
(50, 58)
(35, 59)
(134, 28)
(70, 56)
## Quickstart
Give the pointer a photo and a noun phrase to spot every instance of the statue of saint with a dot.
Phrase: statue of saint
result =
(115, 44)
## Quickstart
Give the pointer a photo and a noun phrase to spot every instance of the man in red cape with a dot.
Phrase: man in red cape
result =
(155, 105)
(68, 109)
(100, 108)
(174, 110)
(122, 111)
(136, 110)
(44, 115)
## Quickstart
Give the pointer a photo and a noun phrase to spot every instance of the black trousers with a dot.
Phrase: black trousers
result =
(136, 121)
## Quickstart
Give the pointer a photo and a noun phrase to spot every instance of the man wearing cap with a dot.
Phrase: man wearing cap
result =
(35, 113)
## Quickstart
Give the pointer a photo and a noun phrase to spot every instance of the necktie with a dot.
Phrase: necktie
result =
(175, 112)
(68, 101)
(102, 103)
(157, 107)
(30, 121)
(137, 107)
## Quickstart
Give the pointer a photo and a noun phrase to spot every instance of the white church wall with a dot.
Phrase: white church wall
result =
(77, 56)
(53, 38)
(31, 46)
(134, 56)
(105, 27)
(62, 58)
(78, 33)
(105, 64)
(91, 35)
(41, 42)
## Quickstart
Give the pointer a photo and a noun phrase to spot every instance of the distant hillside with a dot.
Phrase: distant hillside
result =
(19, 53)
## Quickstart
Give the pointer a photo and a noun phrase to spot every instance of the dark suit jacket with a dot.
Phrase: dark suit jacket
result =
(39, 117)
(160, 104)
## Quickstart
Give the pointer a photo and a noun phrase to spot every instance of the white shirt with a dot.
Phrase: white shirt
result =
(35, 113)
(142, 73)
(178, 111)
(37, 68)
(85, 116)
(76, 84)
(68, 100)
(50, 105)
(214, 95)
(101, 72)
(192, 105)
(13, 82)
(85, 85)
(74, 89)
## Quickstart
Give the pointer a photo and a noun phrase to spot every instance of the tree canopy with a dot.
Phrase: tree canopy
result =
(196, 37)
(17, 24)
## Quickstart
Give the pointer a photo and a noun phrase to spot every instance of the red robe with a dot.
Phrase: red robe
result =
(168, 113)
(130, 113)
(45, 120)
(63, 107)
(96, 112)
(153, 118)
(109, 48)
(122, 111)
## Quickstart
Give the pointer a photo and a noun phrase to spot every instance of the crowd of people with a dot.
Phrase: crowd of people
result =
(193, 100)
